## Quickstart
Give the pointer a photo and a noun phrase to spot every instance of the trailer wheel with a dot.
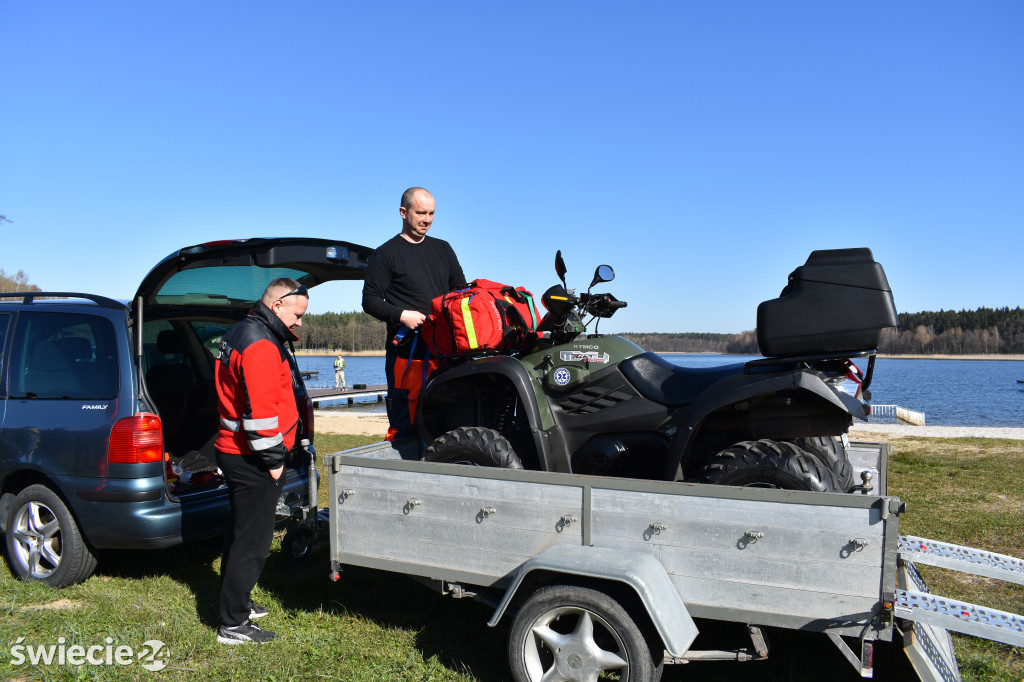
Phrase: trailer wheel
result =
(567, 632)
(473, 445)
(43, 540)
(768, 464)
(831, 452)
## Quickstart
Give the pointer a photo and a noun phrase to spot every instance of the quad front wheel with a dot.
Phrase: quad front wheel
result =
(473, 445)
(567, 632)
(43, 540)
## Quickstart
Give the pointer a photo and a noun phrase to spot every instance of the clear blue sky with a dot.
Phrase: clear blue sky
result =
(703, 149)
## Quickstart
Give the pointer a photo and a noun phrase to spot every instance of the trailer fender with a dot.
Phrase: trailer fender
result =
(642, 572)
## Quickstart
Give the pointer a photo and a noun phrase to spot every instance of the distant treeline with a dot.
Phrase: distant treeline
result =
(345, 332)
(947, 332)
(984, 331)
(697, 342)
(967, 332)
(16, 282)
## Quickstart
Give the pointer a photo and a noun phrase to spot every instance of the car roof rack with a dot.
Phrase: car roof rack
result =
(29, 297)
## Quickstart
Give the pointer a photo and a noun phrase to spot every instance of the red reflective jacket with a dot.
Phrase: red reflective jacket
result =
(256, 389)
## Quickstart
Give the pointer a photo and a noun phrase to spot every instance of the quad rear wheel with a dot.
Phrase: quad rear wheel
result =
(832, 453)
(768, 464)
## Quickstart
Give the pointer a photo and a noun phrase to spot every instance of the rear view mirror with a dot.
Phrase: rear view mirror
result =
(603, 273)
(560, 266)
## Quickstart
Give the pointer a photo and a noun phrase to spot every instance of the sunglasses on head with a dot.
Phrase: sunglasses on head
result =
(300, 290)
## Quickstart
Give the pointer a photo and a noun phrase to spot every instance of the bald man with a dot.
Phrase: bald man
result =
(404, 274)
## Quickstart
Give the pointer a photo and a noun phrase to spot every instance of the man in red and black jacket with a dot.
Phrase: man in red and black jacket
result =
(259, 421)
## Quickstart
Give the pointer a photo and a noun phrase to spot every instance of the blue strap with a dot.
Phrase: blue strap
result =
(426, 367)
(412, 352)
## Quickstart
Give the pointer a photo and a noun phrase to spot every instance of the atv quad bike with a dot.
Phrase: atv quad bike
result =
(599, 404)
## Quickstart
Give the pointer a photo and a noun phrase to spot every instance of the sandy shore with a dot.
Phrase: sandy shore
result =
(355, 422)
(368, 423)
(873, 431)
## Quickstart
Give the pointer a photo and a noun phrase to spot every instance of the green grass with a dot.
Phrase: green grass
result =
(373, 625)
(967, 491)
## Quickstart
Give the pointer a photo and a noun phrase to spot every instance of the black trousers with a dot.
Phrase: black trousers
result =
(253, 495)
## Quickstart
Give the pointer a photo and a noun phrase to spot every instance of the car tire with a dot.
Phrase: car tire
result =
(473, 445)
(43, 540)
(768, 464)
(573, 632)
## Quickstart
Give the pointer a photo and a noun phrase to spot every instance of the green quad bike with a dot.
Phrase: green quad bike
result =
(599, 404)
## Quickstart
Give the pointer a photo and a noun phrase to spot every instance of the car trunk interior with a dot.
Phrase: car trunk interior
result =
(178, 362)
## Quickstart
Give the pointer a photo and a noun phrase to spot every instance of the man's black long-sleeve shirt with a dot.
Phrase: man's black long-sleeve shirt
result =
(402, 275)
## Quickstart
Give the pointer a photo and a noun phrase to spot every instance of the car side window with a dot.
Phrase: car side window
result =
(166, 356)
(59, 356)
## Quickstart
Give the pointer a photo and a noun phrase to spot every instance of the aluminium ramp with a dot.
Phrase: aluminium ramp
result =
(930, 617)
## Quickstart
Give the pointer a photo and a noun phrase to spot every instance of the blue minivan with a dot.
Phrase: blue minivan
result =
(108, 411)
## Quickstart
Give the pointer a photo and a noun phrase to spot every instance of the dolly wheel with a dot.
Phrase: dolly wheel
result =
(297, 544)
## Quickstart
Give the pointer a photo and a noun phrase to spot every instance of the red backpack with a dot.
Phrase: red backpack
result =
(481, 317)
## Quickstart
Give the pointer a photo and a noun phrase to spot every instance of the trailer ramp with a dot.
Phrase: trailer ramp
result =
(929, 617)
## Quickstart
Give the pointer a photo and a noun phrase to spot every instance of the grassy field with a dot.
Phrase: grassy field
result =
(379, 626)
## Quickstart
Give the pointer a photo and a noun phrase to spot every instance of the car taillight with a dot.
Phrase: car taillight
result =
(135, 440)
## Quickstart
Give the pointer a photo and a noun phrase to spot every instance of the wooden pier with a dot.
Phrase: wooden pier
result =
(320, 395)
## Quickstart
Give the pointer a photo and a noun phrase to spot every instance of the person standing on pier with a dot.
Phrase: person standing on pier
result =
(339, 372)
(404, 274)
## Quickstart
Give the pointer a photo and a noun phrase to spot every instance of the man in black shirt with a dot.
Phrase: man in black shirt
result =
(403, 276)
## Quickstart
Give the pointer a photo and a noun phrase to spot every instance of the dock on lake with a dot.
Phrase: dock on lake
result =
(320, 395)
(894, 414)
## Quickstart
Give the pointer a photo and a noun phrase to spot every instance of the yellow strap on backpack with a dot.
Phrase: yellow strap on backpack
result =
(467, 319)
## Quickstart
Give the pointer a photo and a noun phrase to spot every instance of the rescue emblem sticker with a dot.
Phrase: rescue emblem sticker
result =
(562, 376)
(583, 356)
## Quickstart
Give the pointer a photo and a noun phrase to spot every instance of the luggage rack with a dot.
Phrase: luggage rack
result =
(863, 379)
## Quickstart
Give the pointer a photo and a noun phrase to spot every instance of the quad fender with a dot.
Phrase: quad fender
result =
(638, 571)
(741, 387)
(445, 390)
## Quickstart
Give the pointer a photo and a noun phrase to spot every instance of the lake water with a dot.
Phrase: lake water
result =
(949, 392)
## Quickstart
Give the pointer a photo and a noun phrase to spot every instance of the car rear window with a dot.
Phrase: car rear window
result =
(234, 286)
(63, 356)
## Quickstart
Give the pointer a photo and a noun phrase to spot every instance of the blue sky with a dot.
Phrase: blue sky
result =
(703, 149)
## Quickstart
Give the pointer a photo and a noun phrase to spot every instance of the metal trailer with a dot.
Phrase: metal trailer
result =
(593, 569)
